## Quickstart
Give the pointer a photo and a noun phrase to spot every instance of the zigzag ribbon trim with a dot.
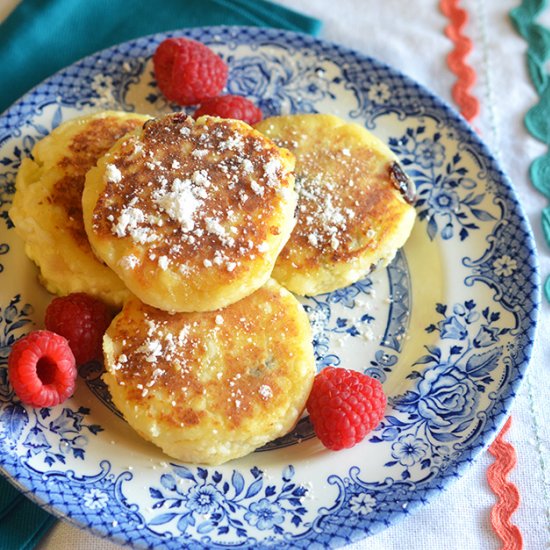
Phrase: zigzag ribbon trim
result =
(504, 453)
(507, 492)
(538, 117)
(456, 60)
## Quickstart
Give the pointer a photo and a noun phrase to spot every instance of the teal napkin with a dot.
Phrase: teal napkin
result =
(42, 36)
(22, 523)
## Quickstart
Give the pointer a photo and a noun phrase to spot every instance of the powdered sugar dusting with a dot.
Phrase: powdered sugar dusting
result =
(272, 170)
(206, 203)
(112, 173)
(129, 224)
(334, 187)
(179, 202)
(129, 262)
(265, 391)
(322, 219)
(164, 262)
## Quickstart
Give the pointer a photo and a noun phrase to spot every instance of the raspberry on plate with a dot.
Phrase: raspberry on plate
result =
(82, 320)
(230, 106)
(344, 406)
(41, 369)
(187, 71)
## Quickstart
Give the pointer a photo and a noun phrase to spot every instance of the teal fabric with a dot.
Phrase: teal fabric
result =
(9, 498)
(24, 525)
(42, 36)
(537, 119)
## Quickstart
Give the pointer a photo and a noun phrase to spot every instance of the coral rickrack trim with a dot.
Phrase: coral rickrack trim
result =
(456, 60)
(504, 453)
(537, 119)
(507, 492)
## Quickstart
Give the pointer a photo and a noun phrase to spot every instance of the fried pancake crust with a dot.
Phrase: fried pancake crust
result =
(47, 206)
(354, 206)
(212, 386)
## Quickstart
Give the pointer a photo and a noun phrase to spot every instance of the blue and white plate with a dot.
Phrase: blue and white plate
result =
(448, 327)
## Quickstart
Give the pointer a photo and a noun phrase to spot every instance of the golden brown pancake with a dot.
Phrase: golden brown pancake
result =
(191, 215)
(354, 207)
(47, 206)
(212, 386)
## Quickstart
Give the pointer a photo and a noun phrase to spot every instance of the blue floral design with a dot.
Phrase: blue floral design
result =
(251, 76)
(334, 315)
(381, 365)
(226, 504)
(95, 499)
(4, 249)
(442, 406)
(66, 429)
(379, 93)
(328, 321)
(204, 499)
(409, 450)
(7, 189)
(12, 162)
(265, 514)
(13, 319)
(362, 503)
(275, 86)
(279, 87)
(446, 196)
(429, 153)
(445, 396)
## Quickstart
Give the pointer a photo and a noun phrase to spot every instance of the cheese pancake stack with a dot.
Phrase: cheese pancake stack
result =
(186, 221)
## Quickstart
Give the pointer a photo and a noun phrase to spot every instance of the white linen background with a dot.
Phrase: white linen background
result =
(409, 36)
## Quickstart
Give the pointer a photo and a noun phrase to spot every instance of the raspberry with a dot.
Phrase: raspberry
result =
(230, 106)
(344, 406)
(82, 320)
(187, 71)
(41, 369)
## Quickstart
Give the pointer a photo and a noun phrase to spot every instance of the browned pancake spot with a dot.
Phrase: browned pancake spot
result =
(167, 355)
(95, 139)
(223, 165)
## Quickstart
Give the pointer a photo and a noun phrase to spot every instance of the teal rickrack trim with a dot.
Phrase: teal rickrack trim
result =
(537, 119)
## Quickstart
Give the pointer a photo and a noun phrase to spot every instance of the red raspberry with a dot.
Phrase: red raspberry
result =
(187, 71)
(344, 406)
(41, 369)
(82, 320)
(230, 106)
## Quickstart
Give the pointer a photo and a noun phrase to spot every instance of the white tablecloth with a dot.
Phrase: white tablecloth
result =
(409, 35)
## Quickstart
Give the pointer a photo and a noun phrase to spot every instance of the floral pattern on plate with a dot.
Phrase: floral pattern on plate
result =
(447, 327)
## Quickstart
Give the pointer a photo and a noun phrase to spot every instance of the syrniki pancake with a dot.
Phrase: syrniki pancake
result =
(47, 206)
(209, 387)
(191, 215)
(354, 206)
